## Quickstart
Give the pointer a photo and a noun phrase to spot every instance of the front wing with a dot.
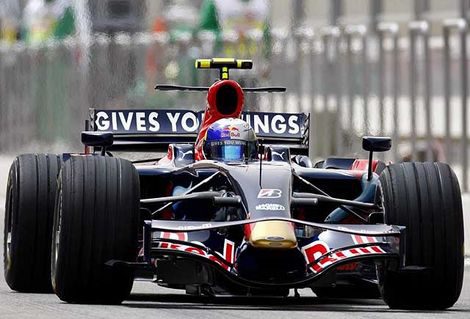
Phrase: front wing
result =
(324, 246)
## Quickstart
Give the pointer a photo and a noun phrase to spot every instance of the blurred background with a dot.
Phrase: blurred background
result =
(384, 67)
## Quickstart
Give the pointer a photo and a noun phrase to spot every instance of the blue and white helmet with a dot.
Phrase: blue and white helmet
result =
(230, 139)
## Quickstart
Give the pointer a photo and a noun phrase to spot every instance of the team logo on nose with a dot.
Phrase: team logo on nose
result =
(269, 193)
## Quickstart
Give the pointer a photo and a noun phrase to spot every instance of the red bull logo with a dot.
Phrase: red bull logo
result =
(230, 131)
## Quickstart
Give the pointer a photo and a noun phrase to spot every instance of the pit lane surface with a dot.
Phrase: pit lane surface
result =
(150, 301)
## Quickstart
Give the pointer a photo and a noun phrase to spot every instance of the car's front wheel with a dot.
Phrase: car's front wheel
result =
(424, 197)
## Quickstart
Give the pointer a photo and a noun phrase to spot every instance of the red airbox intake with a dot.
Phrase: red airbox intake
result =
(225, 99)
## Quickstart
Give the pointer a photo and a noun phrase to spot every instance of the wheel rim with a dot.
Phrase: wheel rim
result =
(56, 228)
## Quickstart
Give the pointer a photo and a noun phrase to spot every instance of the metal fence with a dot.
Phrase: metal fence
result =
(354, 82)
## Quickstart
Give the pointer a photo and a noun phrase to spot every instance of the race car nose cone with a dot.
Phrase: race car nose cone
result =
(273, 234)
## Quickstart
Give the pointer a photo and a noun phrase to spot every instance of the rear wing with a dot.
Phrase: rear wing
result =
(153, 130)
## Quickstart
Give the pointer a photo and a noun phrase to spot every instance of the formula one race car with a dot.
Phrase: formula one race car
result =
(234, 207)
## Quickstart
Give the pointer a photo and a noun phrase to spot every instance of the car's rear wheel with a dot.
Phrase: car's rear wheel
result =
(95, 221)
(424, 197)
(31, 190)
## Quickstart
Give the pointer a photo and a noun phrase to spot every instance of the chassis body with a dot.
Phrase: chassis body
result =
(285, 235)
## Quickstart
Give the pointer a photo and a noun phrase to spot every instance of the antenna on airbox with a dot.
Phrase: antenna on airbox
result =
(224, 65)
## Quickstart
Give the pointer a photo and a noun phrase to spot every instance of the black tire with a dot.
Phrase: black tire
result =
(95, 221)
(31, 188)
(424, 197)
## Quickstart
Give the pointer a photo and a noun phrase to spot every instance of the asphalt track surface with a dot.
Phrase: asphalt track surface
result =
(150, 301)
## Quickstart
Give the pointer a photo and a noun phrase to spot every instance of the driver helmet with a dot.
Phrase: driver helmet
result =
(230, 139)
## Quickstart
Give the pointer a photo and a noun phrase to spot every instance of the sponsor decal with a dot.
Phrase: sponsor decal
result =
(365, 231)
(147, 121)
(281, 124)
(319, 255)
(275, 238)
(270, 207)
(228, 253)
(181, 121)
(269, 193)
(231, 132)
(183, 154)
(281, 155)
(177, 236)
(348, 267)
(189, 227)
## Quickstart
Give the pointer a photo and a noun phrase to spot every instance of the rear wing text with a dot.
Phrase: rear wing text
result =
(155, 129)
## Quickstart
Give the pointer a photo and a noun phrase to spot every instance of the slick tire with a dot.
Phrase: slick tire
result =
(424, 197)
(95, 221)
(30, 197)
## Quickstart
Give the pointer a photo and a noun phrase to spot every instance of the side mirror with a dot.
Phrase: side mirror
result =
(376, 143)
(102, 139)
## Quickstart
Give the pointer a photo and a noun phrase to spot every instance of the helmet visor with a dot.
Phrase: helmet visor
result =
(231, 150)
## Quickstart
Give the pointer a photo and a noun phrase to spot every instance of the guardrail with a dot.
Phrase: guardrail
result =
(413, 87)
